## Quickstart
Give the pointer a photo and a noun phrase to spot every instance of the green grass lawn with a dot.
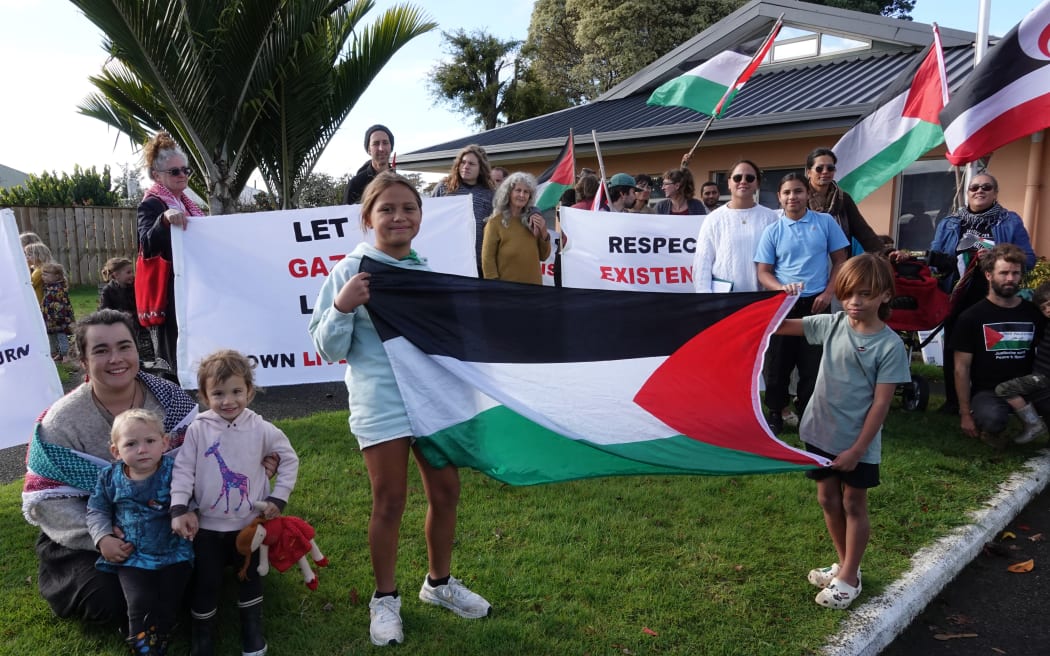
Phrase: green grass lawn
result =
(647, 565)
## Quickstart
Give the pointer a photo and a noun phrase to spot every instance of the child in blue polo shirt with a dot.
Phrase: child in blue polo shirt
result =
(800, 254)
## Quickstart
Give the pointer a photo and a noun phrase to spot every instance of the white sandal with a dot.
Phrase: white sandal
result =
(823, 576)
(838, 595)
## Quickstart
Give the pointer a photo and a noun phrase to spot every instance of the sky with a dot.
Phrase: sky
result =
(48, 49)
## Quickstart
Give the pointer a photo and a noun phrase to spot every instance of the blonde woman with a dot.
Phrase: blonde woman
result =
(515, 239)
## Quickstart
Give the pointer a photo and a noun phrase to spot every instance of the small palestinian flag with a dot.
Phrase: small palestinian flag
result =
(1011, 336)
(530, 384)
(558, 177)
(711, 86)
(1006, 97)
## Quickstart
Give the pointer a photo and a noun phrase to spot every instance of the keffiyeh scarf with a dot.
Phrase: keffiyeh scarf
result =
(57, 471)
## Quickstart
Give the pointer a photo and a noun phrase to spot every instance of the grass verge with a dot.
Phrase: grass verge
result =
(647, 565)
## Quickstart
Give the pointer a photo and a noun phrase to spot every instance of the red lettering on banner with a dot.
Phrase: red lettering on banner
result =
(317, 266)
(315, 360)
(647, 275)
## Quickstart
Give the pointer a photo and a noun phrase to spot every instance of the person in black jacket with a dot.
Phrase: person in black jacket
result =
(163, 206)
(119, 294)
(379, 144)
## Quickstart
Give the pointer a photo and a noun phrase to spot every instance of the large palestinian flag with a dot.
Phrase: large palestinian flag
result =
(902, 127)
(1006, 97)
(532, 384)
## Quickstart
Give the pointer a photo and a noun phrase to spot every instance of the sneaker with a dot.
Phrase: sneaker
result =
(823, 576)
(838, 595)
(775, 421)
(456, 597)
(385, 625)
(790, 420)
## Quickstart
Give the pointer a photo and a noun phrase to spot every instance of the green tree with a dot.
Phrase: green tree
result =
(578, 49)
(475, 79)
(319, 190)
(83, 187)
(241, 84)
(890, 8)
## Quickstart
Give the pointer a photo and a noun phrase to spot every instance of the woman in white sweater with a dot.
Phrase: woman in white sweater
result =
(725, 248)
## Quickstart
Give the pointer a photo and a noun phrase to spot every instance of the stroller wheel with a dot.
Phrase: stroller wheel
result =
(915, 396)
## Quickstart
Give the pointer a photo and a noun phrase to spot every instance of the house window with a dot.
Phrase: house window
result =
(793, 43)
(925, 196)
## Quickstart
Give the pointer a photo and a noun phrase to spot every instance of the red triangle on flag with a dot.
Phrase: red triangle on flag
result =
(991, 337)
(925, 100)
(565, 171)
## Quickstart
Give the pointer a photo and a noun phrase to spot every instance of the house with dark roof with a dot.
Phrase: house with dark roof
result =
(10, 177)
(825, 71)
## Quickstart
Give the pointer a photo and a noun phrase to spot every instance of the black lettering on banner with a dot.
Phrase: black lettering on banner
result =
(319, 229)
(12, 354)
(615, 244)
(273, 360)
(304, 305)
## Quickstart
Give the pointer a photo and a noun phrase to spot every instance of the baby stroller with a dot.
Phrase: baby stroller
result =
(918, 305)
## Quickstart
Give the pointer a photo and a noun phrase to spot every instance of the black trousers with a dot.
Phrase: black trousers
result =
(786, 353)
(74, 588)
(154, 596)
(214, 551)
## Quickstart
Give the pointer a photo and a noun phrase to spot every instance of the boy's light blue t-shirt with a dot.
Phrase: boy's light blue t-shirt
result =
(852, 365)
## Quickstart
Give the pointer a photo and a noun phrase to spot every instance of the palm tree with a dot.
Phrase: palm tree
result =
(241, 84)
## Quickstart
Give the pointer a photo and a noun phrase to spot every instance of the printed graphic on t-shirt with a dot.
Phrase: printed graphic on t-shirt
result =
(1009, 336)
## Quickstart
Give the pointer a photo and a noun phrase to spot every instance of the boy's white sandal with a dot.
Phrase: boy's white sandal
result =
(838, 595)
(823, 576)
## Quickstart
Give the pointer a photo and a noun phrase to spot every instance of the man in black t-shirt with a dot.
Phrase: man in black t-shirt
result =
(994, 341)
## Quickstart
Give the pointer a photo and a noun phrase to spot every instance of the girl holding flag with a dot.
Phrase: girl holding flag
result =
(342, 329)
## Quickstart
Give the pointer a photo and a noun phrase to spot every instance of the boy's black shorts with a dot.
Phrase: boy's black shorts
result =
(865, 475)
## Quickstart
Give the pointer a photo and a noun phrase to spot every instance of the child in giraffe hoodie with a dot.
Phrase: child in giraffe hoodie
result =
(219, 472)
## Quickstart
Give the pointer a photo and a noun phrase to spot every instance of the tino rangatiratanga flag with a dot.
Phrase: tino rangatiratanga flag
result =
(1006, 97)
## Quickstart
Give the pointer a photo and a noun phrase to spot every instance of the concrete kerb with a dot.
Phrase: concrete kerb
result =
(871, 627)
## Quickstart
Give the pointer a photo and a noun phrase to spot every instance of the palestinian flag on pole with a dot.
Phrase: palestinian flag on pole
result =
(1006, 97)
(901, 128)
(558, 177)
(711, 86)
(529, 384)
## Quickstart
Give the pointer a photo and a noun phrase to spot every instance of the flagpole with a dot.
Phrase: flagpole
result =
(688, 156)
(763, 50)
(598, 154)
(984, 12)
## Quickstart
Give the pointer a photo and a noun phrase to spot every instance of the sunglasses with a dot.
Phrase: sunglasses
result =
(185, 170)
(987, 186)
(744, 176)
(820, 168)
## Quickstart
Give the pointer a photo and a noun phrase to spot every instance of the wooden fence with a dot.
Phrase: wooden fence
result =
(82, 238)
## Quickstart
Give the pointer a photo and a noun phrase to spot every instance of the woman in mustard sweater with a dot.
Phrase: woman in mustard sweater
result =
(515, 241)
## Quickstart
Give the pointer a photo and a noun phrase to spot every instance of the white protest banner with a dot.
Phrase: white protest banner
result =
(547, 266)
(29, 381)
(248, 281)
(628, 252)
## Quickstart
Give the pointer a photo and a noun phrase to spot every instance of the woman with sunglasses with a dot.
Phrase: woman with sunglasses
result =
(981, 219)
(680, 190)
(826, 196)
(164, 205)
(729, 236)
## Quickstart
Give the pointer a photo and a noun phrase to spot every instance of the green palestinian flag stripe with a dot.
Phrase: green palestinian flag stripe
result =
(540, 455)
